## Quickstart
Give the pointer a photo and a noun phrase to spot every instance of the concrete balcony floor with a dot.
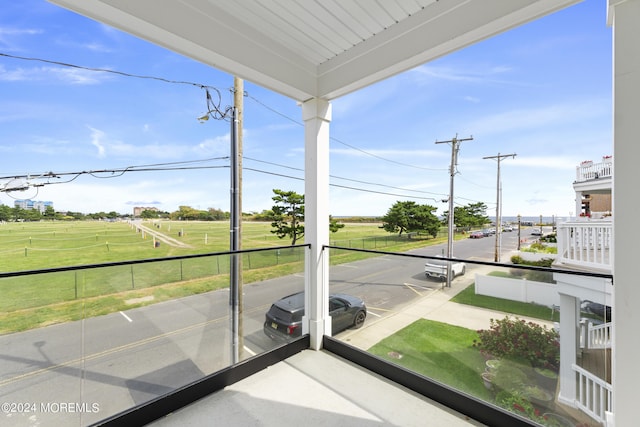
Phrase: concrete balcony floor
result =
(315, 388)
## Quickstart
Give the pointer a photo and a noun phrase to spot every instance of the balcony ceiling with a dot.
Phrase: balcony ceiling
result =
(314, 48)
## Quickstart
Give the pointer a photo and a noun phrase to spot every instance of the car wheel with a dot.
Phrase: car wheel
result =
(358, 321)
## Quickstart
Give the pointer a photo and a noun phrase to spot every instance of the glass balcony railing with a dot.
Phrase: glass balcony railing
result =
(500, 333)
(81, 344)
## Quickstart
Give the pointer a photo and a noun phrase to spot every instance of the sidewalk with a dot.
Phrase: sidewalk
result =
(433, 305)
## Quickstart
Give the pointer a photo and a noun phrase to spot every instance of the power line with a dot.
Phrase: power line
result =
(213, 107)
(213, 110)
(348, 179)
(343, 186)
(106, 70)
(342, 142)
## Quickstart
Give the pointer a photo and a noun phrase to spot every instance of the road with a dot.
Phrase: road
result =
(115, 361)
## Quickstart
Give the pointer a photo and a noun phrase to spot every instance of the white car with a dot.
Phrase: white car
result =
(536, 232)
(438, 268)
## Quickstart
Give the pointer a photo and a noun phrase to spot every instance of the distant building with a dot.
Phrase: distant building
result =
(32, 204)
(137, 211)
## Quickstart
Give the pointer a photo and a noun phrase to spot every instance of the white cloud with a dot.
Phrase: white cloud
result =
(96, 141)
(460, 74)
(542, 117)
(74, 76)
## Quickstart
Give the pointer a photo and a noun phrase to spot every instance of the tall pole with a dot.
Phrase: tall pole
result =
(499, 157)
(234, 242)
(455, 147)
(238, 103)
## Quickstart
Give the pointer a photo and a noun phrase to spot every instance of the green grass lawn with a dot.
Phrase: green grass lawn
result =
(36, 300)
(37, 245)
(439, 351)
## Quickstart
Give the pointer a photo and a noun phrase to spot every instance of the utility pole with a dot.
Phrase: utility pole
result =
(235, 220)
(499, 157)
(455, 147)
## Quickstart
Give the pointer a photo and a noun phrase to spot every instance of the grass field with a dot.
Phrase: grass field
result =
(38, 245)
(39, 299)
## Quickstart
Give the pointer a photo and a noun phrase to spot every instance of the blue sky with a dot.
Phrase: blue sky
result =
(541, 91)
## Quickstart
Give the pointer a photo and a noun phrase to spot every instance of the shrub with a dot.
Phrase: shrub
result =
(515, 338)
(515, 402)
(544, 262)
(550, 238)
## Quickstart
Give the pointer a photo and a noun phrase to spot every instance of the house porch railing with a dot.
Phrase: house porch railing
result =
(586, 244)
(594, 395)
(591, 170)
(595, 336)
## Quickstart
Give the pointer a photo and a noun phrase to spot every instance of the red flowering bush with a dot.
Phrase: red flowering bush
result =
(517, 339)
(516, 403)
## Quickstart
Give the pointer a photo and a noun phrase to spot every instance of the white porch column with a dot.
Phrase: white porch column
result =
(316, 114)
(624, 16)
(569, 343)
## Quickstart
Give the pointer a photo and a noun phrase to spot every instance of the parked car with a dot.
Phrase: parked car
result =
(283, 321)
(436, 268)
(507, 228)
(536, 232)
(488, 231)
(600, 310)
(476, 235)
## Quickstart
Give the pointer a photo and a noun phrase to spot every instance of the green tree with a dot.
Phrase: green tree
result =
(218, 214)
(5, 213)
(407, 217)
(334, 225)
(76, 215)
(185, 213)
(49, 213)
(265, 215)
(148, 214)
(288, 215)
(31, 215)
(18, 213)
(471, 215)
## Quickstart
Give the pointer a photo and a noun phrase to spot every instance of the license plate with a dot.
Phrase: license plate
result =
(274, 325)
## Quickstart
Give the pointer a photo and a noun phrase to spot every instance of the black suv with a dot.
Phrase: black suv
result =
(284, 319)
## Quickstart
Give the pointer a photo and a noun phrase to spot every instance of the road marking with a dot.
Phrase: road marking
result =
(369, 308)
(126, 317)
(410, 286)
(374, 314)
(248, 350)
